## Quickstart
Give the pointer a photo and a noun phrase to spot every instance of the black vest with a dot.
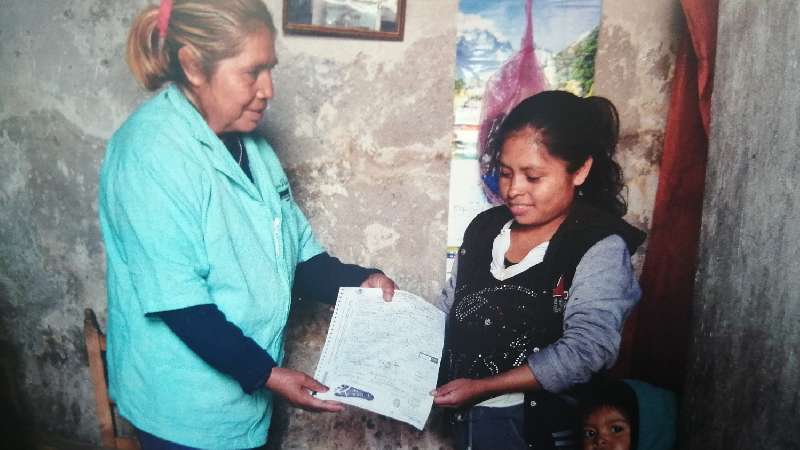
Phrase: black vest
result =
(494, 325)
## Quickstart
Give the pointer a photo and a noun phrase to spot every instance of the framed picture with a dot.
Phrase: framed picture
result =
(365, 19)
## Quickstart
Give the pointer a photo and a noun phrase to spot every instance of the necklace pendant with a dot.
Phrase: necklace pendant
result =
(241, 150)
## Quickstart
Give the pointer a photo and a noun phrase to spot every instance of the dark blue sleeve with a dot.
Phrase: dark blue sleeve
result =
(320, 278)
(221, 344)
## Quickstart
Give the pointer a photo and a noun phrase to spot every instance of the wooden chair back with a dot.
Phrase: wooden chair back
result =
(106, 414)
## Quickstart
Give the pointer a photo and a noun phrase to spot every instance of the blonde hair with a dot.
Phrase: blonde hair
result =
(212, 29)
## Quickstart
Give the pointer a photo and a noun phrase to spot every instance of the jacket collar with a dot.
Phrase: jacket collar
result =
(219, 156)
(584, 216)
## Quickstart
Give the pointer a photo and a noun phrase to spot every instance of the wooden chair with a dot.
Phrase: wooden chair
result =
(110, 422)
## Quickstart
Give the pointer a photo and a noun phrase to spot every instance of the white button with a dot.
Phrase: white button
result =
(533, 403)
(535, 349)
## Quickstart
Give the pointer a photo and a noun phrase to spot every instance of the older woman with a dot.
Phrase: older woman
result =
(203, 238)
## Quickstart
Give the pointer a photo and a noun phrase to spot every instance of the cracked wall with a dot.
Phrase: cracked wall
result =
(636, 52)
(363, 129)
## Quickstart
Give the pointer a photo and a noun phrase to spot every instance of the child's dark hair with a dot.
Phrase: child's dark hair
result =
(607, 392)
(573, 129)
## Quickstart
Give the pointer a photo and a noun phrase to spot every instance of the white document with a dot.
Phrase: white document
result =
(383, 356)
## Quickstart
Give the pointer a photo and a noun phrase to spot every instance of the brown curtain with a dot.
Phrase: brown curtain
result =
(656, 337)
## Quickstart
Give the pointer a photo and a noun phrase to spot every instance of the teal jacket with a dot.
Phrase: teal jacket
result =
(184, 226)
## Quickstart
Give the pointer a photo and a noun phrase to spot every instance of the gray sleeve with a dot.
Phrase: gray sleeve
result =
(603, 292)
(444, 301)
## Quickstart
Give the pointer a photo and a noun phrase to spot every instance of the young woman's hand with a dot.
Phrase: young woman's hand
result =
(295, 387)
(379, 280)
(459, 392)
(464, 391)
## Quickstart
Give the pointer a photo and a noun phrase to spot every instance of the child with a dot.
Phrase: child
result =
(607, 428)
(543, 283)
(627, 415)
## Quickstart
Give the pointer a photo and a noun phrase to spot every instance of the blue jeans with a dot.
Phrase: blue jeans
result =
(486, 428)
(149, 442)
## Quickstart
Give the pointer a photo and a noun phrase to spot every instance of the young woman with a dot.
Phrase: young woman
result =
(203, 238)
(542, 283)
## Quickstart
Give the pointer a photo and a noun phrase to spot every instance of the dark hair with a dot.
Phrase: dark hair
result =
(607, 392)
(573, 129)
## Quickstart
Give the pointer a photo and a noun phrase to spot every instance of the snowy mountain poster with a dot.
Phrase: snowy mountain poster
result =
(489, 34)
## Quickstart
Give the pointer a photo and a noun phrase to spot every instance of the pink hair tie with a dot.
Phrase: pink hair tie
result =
(164, 11)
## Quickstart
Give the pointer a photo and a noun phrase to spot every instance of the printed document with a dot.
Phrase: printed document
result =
(383, 356)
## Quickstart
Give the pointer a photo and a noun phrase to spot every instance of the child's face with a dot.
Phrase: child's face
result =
(606, 429)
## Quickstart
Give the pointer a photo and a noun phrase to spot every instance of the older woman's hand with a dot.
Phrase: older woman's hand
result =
(379, 280)
(296, 388)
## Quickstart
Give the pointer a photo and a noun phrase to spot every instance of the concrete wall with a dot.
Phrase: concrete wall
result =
(363, 129)
(744, 367)
(638, 42)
